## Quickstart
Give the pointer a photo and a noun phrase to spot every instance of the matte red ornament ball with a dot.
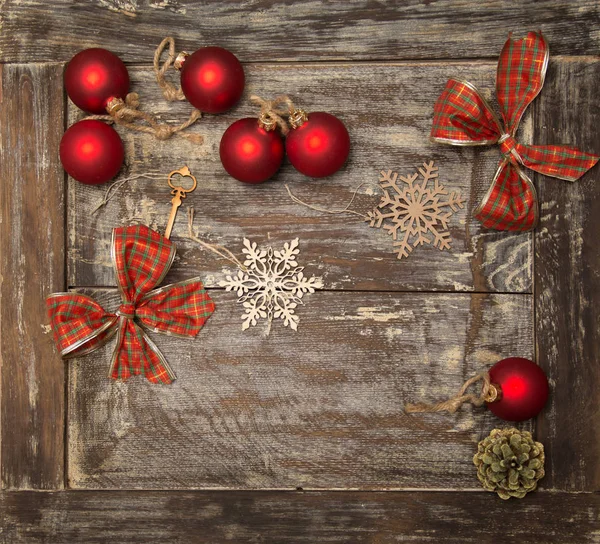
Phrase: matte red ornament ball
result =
(93, 77)
(91, 152)
(320, 146)
(212, 79)
(524, 389)
(249, 153)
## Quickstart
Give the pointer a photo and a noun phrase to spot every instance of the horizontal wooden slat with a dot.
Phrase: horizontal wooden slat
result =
(388, 110)
(32, 265)
(568, 279)
(290, 517)
(306, 30)
(317, 408)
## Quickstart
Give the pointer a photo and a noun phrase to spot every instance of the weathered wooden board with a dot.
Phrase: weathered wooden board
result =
(568, 281)
(317, 408)
(290, 517)
(388, 110)
(307, 30)
(32, 236)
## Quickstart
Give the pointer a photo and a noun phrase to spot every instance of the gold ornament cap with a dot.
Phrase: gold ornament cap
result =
(297, 118)
(180, 59)
(494, 393)
(114, 104)
(266, 122)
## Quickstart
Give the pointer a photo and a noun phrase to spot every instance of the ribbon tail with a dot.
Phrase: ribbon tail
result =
(557, 161)
(511, 201)
(136, 354)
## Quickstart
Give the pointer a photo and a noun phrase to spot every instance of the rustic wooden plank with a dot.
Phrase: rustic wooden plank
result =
(32, 238)
(290, 517)
(320, 408)
(306, 30)
(567, 275)
(388, 110)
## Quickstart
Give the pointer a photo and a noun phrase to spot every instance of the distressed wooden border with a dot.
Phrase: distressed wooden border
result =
(299, 517)
(567, 279)
(32, 241)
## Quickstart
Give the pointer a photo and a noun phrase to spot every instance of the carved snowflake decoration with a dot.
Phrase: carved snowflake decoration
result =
(272, 286)
(415, 210)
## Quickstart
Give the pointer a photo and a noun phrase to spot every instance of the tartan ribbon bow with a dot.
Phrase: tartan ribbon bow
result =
(141, 258)
(463, 117)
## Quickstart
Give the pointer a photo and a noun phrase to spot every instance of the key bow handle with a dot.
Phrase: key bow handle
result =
(184, 172)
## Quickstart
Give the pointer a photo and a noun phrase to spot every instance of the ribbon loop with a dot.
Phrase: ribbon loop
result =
(141, 258)
(462, 116)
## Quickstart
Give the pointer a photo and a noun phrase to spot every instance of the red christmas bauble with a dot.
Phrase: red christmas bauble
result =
(320, 146)
(249, 153)
(212, 79)
(93, 77)
(523, 389)
(91, 152)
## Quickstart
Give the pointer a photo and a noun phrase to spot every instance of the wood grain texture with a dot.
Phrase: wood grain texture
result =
(388, 110)
(320, 408)
(260, 30)
(290, 517)
(568, 281)
(32, 266)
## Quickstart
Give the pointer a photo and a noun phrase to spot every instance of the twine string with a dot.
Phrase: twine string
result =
(215, 248)
(273, 110)
(453, 404)
(346, 209)
(170, 92)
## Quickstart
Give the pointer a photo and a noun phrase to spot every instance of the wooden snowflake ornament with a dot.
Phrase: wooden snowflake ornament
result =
(272, 286)
(416, 212)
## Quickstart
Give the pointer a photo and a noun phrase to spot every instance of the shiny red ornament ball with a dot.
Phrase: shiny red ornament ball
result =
(249, 153)
(91, 152)
(93, 77)
(212, 79)
(523, 389)
(320, 146)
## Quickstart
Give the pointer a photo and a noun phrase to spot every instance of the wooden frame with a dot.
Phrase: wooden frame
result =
(33, 245)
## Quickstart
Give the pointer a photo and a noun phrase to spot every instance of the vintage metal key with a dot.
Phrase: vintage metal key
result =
(179, 193)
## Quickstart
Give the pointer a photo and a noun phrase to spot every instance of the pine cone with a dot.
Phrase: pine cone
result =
(509, 462)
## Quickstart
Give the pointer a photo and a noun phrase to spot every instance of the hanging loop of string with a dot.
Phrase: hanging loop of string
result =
(117, 185)
(215, 248)
(345, 209)
(489, 393)
(272, 112)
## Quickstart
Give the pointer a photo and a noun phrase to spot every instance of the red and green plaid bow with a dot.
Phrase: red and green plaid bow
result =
(463, 117)
(141, 258)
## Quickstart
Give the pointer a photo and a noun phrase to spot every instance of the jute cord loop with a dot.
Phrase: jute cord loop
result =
(453, 404)
(170, 92)
(271, 111)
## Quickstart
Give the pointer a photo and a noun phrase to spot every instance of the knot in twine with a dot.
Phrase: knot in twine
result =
(489, 393)
(170, 92)
(271, 112)
(126, 113)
